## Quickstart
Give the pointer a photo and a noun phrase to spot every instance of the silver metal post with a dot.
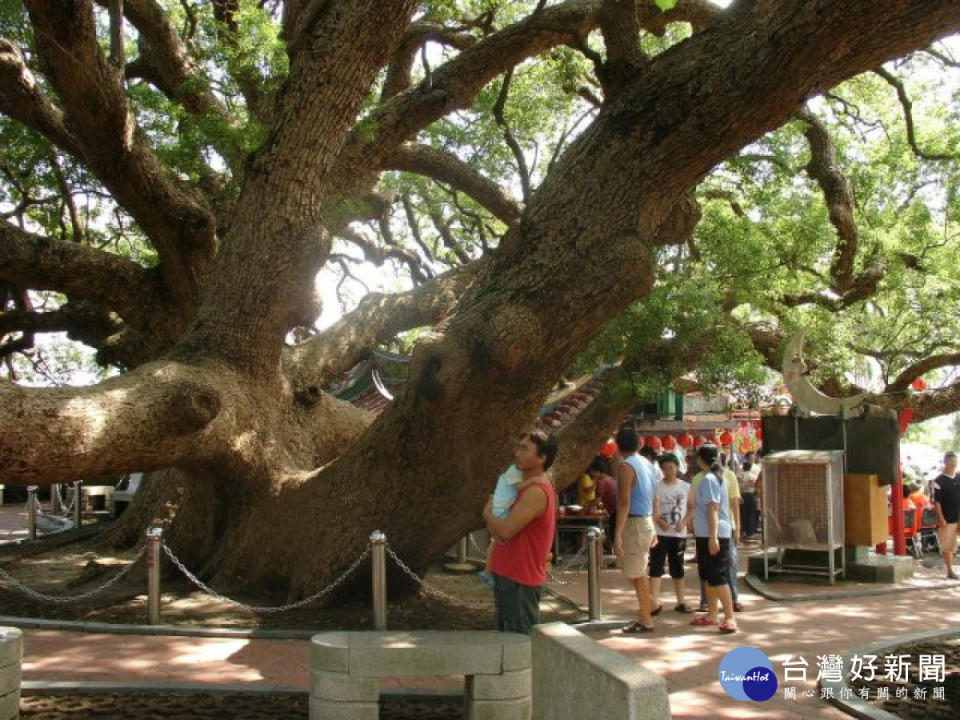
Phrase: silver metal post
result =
(462, 551)
(55, 506)
(32, 512)
(77, 504)
(594, 536)
(154, 540)
(378, 555)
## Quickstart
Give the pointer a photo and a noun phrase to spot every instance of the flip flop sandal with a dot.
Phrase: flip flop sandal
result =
(702, 621)
(635, 628)
(727, 627)
(682, 608)
(657, 611)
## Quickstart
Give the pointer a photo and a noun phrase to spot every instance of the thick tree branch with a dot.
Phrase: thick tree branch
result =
(117, 50)
(335, 53)
(116, 150)
(22, 99)
(165, 61)
(376, 320)
(31, 321)
(145, 419)
(921, 367)
(864, 285)
(620, 25)
(837, 194)
(447, 168)
(907, 105)
(508, 135)
(114, 343)
(935, 403)
(417, 35)
(41, 263)
(454, 84)
(447, 238)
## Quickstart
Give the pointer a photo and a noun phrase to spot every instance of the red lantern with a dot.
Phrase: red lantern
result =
(609, 449)
(685, 440)
(669, 442)
(726, 438)
(698, 441)
(919, 384)
(653, 442)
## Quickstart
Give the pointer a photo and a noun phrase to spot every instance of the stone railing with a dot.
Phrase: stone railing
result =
(11, 653)
(574, 677)
(345, 668)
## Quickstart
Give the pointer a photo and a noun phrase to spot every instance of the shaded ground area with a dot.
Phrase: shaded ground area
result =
(56, 567)
(916, 698)
(222, 707)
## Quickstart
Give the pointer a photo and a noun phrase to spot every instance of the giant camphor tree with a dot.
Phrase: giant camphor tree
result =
(226, 151)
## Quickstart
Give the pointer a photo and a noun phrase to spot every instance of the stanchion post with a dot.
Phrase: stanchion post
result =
(462, 551)
(55, 506)
(32, 512)
(77, 504)
(154, 549)
(594, 536)
(378, 555)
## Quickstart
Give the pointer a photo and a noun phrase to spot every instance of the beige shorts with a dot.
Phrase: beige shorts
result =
(947, 536)
(637, 536)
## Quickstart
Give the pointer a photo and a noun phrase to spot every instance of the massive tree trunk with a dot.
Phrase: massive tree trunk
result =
(277, 483)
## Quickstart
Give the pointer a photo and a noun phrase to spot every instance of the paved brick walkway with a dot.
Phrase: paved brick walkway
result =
(689, 658)
(57, 656)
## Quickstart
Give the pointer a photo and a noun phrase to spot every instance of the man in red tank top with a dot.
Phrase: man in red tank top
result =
(524, 537)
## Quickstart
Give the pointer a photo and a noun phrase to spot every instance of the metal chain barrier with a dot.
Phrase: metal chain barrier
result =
(36, 595)
(258, 608)
(64, 509)
(431, 589)
(565, 567)
(476, 546)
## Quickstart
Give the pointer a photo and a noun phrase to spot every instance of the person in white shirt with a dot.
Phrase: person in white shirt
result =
(671, 493)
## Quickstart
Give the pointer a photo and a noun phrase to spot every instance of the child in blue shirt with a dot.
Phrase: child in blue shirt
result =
(504, 495)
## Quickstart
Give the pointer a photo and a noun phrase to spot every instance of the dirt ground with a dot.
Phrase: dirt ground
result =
(54, 568)
(910, 706)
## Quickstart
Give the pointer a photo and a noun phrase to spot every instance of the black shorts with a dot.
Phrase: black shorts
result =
(713, 569)
(518, 606)
(668, 549)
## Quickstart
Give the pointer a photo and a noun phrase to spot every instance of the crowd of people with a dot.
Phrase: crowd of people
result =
(657, 510)
(655, 502)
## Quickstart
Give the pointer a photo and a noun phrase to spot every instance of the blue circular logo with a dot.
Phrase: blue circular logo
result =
(746, 674)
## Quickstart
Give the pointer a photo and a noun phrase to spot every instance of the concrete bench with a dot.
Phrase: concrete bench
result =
(345, 668)
(11, 653)
(574, 677)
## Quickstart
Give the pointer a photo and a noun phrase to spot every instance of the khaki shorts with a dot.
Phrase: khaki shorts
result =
(947, 535)
(637, 536)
